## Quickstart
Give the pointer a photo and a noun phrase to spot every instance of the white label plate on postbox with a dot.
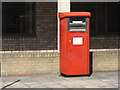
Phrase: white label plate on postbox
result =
(77, 40)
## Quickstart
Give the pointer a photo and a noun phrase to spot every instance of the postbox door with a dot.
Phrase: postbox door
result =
(78, 49)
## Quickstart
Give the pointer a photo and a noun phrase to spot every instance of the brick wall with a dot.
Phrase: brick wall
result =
(29, 63)
(46, 31)
(32, 63)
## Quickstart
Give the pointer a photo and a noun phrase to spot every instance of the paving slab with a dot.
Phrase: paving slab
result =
(97, 80)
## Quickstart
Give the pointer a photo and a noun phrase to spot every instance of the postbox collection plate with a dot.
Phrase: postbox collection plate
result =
(77, 40)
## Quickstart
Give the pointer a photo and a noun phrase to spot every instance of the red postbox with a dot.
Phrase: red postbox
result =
(74, 43)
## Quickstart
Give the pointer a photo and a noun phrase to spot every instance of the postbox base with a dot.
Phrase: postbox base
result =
(90, 73)
(75, 75)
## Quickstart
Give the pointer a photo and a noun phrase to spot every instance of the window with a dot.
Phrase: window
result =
(105, 16)
(18, 17)
(113, 16)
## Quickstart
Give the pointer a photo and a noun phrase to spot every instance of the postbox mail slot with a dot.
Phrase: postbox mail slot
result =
(77, 24)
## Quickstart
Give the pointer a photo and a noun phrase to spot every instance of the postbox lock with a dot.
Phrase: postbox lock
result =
(70, 40)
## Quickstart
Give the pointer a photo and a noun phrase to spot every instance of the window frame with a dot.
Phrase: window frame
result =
(33, 34)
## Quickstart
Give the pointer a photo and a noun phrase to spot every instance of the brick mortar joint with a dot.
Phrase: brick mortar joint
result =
(48, 55)
(30, 55)
(56, 51)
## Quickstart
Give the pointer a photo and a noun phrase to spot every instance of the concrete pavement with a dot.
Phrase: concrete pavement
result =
(97, 80)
